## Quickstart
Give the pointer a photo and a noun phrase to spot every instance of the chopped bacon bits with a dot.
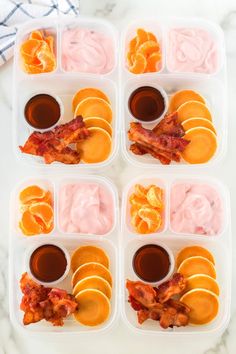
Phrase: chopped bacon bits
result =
(39, 302)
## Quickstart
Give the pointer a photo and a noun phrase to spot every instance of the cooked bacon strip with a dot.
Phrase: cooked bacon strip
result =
(72, 132)
(169, 125)
(171, 287)
(39, 302)
(143, 293)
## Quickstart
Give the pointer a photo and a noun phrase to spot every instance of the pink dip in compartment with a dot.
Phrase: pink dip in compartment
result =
(85, 208)
(192, 50)
(196, 209)
(89, 51)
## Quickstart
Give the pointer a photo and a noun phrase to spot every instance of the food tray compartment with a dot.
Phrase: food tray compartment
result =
(70, 242)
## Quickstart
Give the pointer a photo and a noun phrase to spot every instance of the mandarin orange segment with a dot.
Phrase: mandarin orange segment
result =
(148, 48)
(139, 64)
(132, 45)
(151, 37)
(135, 200)
(142, 37)
(36, 35)
(151, 216)
(140, 191)
(28, 225)
(49, 40)
(142, 227)
(31, 193)
(155, 197)
(43, 211)
(152, 62)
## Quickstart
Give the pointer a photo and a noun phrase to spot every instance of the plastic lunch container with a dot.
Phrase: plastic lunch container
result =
(219, 245)
(213, 87)
(20, 246)
(62, 84)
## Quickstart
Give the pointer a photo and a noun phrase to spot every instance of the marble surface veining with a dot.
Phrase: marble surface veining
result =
(120, 340)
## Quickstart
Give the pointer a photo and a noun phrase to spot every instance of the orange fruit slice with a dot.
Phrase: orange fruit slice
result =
(150, 215)
(137, 201)
(31, 193)
(90, 269)
(155, 197)
(94, 307)
(143, 228)
(85, 93)
(46, 58)
(183, 96)
(86, 254)
(33, 69)
(133, 209)
(98, 123)
(36, 35)
(43, 211)
(192, 109)
(140, 191)
(142, 37)
(151, 37)
(202, 146)
(94, 107)
(50, 40)
(198, 123)
(132, 45)
(93, 282)
(152, 62)
(97, 147)
(202, 281)
(148, 48)
(28, 224)
(197, 265)
(192, 251)
(139, 64)
(135, 219)
(203, 304)
(30, 47)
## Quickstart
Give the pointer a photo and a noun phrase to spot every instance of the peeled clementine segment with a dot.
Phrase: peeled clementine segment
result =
(137, 201)
(202, 146)
(130, 58)
(43, 211)
(86, 254)
(47, 59)
(139, 64)
(197, 265)
(30, 47)
(155, 197)
(183, 96)
(33, 69)
(88, 92)
(29, 225)
(133, 209)
(143, 228)
(192, 251)
(150, 215)
(135, 219)
(132, 45)
(90, 269)
(36, 35)
(94, 107)
(202, 281)
(152, 62)
(93, 282)
(94, 307)
(151, 37)
(50, 40)
(203, 304)
(193, 109)
(97, 147)
(31, 193)
(198, 123)
(140, 191)
(148, 48)
(142, 37)
(47, 198)
(98, 123)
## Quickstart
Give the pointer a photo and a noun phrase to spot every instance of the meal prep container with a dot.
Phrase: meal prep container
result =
(213, 87)
(219, 246)
(62, 84)
(20, 246)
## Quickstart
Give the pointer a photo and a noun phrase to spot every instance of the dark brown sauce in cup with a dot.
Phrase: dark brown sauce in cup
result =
(151, 263)
(147, 103)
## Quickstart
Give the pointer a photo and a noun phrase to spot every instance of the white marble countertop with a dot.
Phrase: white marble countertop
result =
(120, 339)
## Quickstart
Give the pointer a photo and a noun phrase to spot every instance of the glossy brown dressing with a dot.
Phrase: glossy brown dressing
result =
(42, 111)
(48, 263)
(151, 263)
(146, 103)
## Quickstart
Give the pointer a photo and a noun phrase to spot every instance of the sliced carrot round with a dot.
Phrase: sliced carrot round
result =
(28, 224)
(183, 96)
(31, 193)
(203, 304)
(197, 265)
(139, 64)
(94, 107)
(197, 123)
(192, 251)
(93, 282)
(202, 146)
(202, 281)
(86, 254)
(85, 93)
(98, 123)
(97, 147)
(90, 269)
(94, 307)
(193, 109)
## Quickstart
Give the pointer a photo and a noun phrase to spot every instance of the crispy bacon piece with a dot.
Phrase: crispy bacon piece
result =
(145, 300)
(169, 125)
(53, 145)
(39, 302)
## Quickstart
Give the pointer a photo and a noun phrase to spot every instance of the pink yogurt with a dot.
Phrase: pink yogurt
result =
(192, 50)
(85, 208)
(88, 51)
(196, 209)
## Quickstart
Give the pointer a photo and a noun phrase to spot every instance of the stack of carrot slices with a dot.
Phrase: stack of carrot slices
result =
(146, 208)
(95, 108)
(37, 53)
(196, 120)
(37, 211)
(144, 53)
(92, 285)
(197, 264)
